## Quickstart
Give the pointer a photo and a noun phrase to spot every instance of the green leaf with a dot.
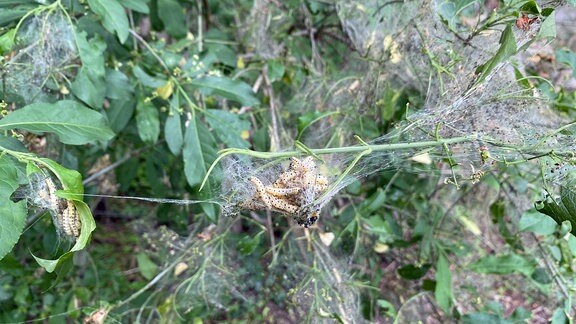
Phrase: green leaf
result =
(567, 57)
(120, 112)
(72, 122)
(504, 264)
(172, 16)
(498, 213)
(228, 127)
(12, 144)
(47, 264)
(8, 15)
(541, 276)
(378, 225)
(148, 122)
(223, 53)
(198, 153)
(7, 41)
(548, 27)
(275, 70)
(146, 79)
(113, 17)
(91, 53)
(387, 307)
(507, 48)
(136, 5)
(412, 272)
(147, 268)
(90, 84)
(443, 291)
(71, 180)
(117, 85)
(173, 127)
(547, 11)
(520, 315)
(210, 209)
(247, 244)
(87, 227)
(530, 7)
(231, 89)
(447, 10)
(560, 316)
(261, 139)
(521, 79)
(88, 88)
(374, 202)
(17, 2)
(538, 223)
(562, 210)
(12, 215)
(391, 101)
(475, 318)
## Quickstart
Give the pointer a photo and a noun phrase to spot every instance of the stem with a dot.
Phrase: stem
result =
(335, 150)
(200, 29)
(155, 280)
(151, 50)
(341, 177)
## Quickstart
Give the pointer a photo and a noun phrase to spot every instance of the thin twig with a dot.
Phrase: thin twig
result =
(109, 168)
(150, 49)
(343, 149)
(270, 228)
(270, 90)
(552, 268)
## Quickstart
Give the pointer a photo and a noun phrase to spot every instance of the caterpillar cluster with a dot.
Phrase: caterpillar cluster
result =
(292, 193)
(64, 213)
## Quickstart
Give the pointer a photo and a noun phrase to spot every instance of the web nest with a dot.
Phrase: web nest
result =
(45, 60)
(406, 45)
(296, 191)
(210, 274)
(40, 194)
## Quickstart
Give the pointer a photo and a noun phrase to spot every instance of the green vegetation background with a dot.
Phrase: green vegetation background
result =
(136, 98)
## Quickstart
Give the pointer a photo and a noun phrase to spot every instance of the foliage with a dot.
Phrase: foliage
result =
(169, 108)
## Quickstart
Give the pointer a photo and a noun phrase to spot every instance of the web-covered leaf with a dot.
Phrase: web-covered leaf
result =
(71, 216)
(506, 50)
